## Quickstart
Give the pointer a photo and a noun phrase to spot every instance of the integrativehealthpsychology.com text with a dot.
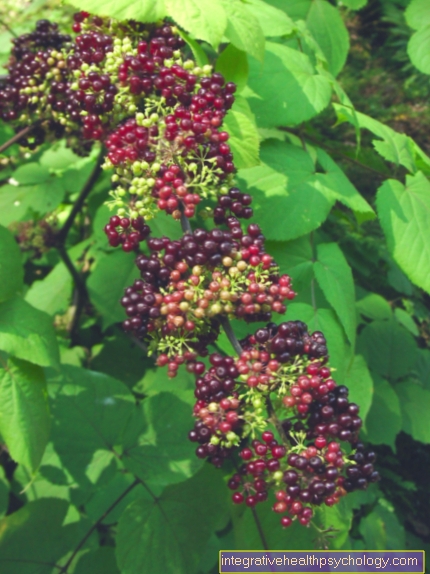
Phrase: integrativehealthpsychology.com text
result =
(322, 561)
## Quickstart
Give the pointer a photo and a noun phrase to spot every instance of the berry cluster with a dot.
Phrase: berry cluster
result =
(35, 237)
(36, 82)
(316, 458)
(160, 117)
(234, 203)
(198, 278)
(128, 234)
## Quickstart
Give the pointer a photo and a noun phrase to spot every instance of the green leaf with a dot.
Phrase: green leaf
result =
(338, 517)
(4, 493)
(99, 561)
(27, 333)
(388, 348)
(169, 533)
(354, 4)
(121, 358)
(90, 411)
(287, 190)
(243, 29)
(160, 454)
(198, 53)
(328, 29)
(244, 140)
(404, 213)
(31, 173)
(335, 279)
(51, 480)
(398, 150)
(203, 19)
(144, 10)
(233, 65)
(297, 9)
(328, 35)
(336, 186)
(325, 320)
(11, 270)
(417, 14)
(110, 491)
(182, 385)
(422, 367)
(33, 538)
(31, 190)
(107, 288)
(415, 407)
(295, 259)
(374, 306)
(286, 90)
(384, 420)
(273, 22)
(360, 385)
(247, 536)
(406, 320)
(52, 294)
(395, 147)
(24, 414)
(61, 158)
(381, 529)
(398, 280)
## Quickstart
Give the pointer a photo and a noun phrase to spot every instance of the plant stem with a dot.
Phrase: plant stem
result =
(80, 285)
(81, 290)
(16, 137)
(96, 524)
(61, 237)
(277, 422)
(259, 528)
(225, 323)
(8, 28)
(333, 151)
(314, 258)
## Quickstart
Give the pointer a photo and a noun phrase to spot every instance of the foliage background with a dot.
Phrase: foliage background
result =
(330, 132)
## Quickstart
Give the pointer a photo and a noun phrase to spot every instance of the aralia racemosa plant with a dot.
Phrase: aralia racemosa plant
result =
(272, 411)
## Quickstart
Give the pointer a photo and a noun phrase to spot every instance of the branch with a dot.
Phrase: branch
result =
(61, 237)
(78, 280)
(79, 283)
(96, 524)
(16, 137)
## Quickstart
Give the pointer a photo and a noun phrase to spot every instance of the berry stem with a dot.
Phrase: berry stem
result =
(225, 324)
(274, 419)
(185, 222)
(16, 137)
